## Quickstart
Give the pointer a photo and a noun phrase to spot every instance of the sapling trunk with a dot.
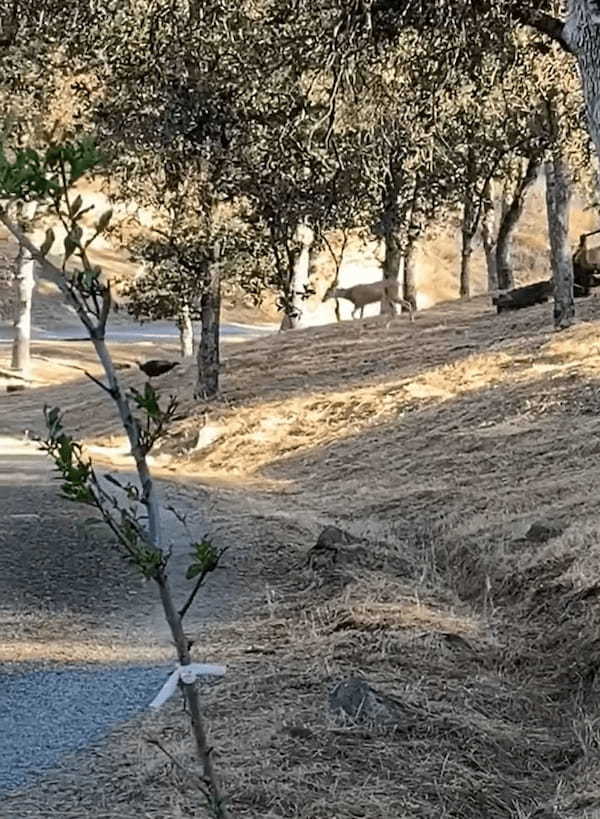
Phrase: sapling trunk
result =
(96, 331)
(203, 749)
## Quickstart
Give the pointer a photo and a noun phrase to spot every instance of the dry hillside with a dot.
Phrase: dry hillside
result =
(462, 453)
(437, 264)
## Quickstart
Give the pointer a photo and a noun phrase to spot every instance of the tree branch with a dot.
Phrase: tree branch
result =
(188, 774)
(100, 384)
(10, 27)
(104, 312)
(544, 23)
(202, 577)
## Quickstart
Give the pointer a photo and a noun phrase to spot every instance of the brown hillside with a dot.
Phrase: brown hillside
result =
(437, 265)
(437, 445)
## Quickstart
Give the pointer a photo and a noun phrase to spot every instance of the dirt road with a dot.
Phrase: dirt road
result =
(83, 644)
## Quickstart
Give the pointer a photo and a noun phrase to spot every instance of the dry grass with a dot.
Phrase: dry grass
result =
(32, 637)
(437, 444)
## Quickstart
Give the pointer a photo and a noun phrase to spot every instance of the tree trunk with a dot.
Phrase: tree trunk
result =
(208, 349)
(504, 268)
(472, 208)
(186, 332)
(511, 213)
(488, 236)
(557, 204)
(392, 266)
(466, 247)
(582, 33)
(24, 282)
(465, 265)
(401, 231)
(409, 268)
(300, 277)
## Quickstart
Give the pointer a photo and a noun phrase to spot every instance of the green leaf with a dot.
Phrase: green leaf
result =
(48, 242)
(206, 555)
(104, 221)
(76, 206)
(193, 571)
(70, 247)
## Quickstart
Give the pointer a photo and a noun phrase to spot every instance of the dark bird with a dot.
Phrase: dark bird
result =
(156, 367)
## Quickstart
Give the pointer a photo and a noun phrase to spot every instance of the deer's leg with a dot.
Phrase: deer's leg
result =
(406, 305)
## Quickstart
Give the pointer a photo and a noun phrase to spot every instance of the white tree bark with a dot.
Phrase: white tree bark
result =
(488, 236)
(24, 282)
(582, 34)
(186, 333)
(558, 197)
(300, 276)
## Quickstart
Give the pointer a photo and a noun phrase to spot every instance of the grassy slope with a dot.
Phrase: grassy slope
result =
(437, 263)
(438, 443)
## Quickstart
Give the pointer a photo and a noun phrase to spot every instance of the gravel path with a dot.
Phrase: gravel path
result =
(47, 714)
(66, 602)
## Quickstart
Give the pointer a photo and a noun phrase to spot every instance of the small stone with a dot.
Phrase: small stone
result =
(332, 537)
(325, 551)
(356, 699)
(299, 732)
(543, 530)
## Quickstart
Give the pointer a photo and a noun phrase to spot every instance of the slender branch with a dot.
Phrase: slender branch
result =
(177, 764)
(183, 610)
(201, 578)
(591, 233)
(99, 383)
(500, 156)
(104, 313)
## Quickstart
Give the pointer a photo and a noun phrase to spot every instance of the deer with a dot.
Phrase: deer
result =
(362, 294)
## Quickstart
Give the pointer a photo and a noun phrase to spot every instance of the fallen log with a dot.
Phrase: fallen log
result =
(585, 277)
(522, 297)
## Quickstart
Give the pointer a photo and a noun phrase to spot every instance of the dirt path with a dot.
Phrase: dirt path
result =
(63, 589)
(83, 643)
(64, 575)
